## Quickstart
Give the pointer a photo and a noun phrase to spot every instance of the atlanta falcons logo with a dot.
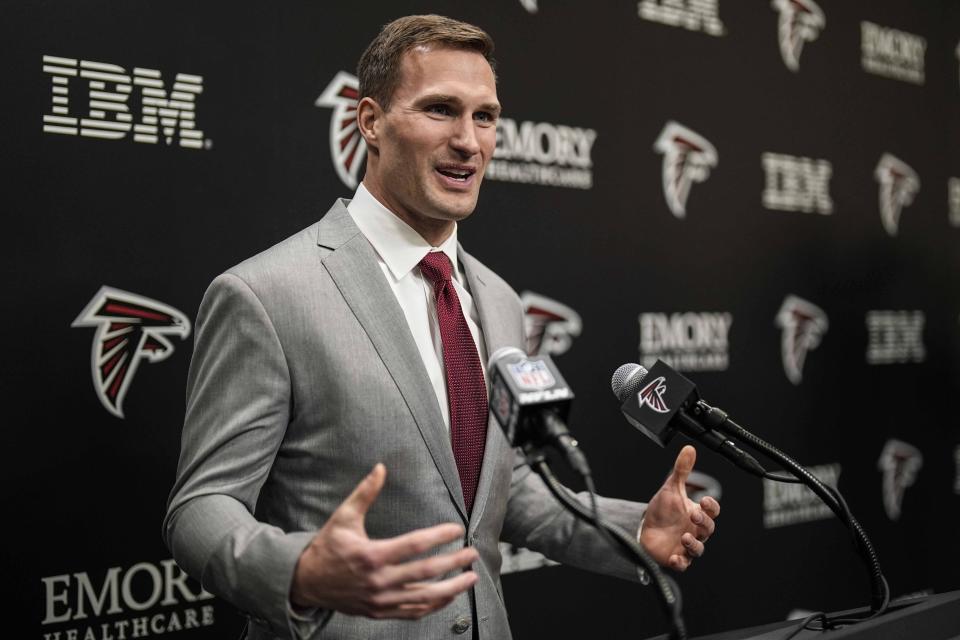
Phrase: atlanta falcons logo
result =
(900, 462)
(652, 395)
(130, 328)
(347, 147)
(687, 158)
(899, 183)
(549, 325)
(803, 325)
(800, 21)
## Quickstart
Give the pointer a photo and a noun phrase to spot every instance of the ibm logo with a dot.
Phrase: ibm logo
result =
(167, 116)
(895, 337)
(797, 183)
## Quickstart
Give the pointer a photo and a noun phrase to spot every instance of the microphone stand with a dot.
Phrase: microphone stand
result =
(667, 591)
(714, 418)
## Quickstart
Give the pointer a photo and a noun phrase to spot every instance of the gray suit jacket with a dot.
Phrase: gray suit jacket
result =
(305, 375)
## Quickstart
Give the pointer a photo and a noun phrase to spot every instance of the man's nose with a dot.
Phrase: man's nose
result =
(464, 137)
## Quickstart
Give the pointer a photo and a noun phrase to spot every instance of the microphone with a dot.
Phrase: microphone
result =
(531, 401)
(661, 402)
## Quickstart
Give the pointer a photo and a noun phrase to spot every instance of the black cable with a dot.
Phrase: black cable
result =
(717, 419)
(668, 595)
(804, 624)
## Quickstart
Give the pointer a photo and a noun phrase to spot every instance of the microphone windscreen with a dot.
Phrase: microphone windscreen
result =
(501, 353)
(627, 380)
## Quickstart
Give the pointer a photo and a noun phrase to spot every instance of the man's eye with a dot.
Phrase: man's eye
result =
(485, 116)
(439, 109)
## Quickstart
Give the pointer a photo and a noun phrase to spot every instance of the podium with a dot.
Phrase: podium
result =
(935, 617)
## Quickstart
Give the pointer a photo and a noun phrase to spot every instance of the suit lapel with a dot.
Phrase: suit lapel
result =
(353, 265)
(495, 336)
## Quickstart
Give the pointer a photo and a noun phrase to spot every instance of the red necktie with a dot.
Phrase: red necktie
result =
(466, 388)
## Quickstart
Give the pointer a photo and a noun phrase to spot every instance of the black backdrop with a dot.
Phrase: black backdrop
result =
(86, 489)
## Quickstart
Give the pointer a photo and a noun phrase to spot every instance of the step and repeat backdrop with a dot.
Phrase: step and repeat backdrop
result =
(765, 195)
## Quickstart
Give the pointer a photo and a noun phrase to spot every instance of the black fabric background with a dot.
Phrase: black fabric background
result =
(85, 491)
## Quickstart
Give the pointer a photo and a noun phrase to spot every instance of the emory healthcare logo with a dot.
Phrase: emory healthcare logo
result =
(892, 53)
(687, 158)
(687, 341)
(788, 504)
(549, 325)
(347, 147)
(899, 183)
(900, 462)
(108, 91)
(652, 395)
(145, 599)
(800, 21)
(543, 153)
(803, 324)
(130, 328)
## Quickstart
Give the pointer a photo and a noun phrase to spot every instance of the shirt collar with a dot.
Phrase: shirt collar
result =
(400, 247)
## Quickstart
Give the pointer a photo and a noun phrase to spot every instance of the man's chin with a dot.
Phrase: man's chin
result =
(455, 210)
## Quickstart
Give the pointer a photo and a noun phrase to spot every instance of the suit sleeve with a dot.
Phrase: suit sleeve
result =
(536, 520)
(238, 403)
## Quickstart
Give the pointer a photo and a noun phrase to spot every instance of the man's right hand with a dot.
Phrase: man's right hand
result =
(344, 570)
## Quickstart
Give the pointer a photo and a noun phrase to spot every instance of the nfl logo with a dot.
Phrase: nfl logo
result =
(532, 375)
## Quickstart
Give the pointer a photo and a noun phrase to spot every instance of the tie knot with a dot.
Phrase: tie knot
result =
(436, 267)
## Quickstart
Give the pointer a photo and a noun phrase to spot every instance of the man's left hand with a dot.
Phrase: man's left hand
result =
(675, 527)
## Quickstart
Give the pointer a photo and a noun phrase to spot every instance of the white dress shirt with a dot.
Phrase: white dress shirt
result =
(400, 249)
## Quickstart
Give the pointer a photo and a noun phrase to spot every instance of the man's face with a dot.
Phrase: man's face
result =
(435, 141)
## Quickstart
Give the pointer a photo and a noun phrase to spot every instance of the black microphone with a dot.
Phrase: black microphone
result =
(661, 402)
(531, 401)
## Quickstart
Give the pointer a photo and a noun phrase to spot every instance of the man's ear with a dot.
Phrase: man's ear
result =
(370, 120)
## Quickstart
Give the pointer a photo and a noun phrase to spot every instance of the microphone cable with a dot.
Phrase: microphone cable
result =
(669, 595)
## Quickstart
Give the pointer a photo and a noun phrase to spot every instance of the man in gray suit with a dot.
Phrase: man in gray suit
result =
(352, 346)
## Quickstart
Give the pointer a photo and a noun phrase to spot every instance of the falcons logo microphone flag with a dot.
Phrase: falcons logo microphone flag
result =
(651, 406)
(130, 328)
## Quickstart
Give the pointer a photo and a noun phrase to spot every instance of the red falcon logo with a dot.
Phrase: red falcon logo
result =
(800, 21)
(652, 395)
(347, 147)
(900, 462)
(130, 328)
(687, 158)
(899, 183)
(550, 326)
(803, 325)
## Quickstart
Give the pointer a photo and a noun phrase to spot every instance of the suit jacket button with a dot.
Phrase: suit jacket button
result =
(461, 624)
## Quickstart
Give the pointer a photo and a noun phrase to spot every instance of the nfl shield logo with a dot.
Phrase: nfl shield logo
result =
(532, 375)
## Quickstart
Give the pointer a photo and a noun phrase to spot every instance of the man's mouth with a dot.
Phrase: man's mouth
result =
(458, 173)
